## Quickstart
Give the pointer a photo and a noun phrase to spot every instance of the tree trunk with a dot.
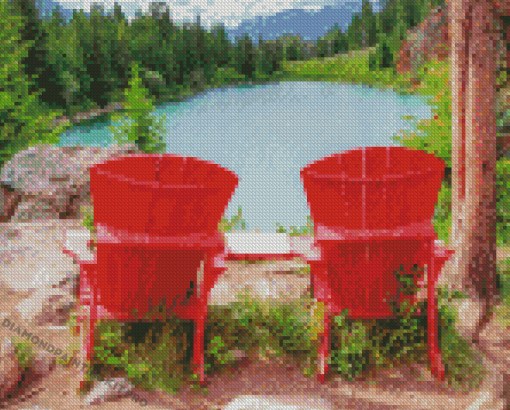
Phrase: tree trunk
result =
(473, 236)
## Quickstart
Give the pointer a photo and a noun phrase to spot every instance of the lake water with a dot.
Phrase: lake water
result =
(267, 133)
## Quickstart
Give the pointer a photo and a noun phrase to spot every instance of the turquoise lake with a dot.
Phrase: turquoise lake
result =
(267, 133)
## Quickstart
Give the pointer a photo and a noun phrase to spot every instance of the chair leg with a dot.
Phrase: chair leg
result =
(434, 352)
(324, 349)
(89, 348)
(198, 347)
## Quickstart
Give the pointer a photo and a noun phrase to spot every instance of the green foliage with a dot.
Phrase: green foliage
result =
(284, 330)
(383, 57)
(236, 223)
(434, 136)
(367, 344)
(370, 33)
(463, 365)
(442, 220)
(503, 202)
(245, 57)
(24, 353)
(503, 268)
(157, 363)
(88, 218)
(225, 75)
(355, 33)
(18, 124)
(351, 339)
(298, 231)
(144, 132)
(324, 48)
(270, 57)
(43, 76)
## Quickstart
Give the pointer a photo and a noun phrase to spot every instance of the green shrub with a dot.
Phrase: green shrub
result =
(295, 231)
(236, 223)
(463, 365)
(227, 75)
(350, 346)
(442, 220)
(25, 355)
(158, 362)
(287, 330)
(88, 218)
(503, 202)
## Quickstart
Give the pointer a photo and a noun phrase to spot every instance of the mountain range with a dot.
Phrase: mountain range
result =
(309, 23)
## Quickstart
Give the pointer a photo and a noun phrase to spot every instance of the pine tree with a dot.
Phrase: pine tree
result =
(369, 24)
(355, 33)
(18, 106)
(383, 56)
(36, 63)
(138, 126)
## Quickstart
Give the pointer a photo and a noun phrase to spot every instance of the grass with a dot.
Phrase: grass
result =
(24, 353)
(351, 68)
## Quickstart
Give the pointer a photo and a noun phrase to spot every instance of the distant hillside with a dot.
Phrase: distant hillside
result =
(46, 8)
(309, 24)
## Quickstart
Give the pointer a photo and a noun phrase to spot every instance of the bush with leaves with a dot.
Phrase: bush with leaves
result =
(463, 365)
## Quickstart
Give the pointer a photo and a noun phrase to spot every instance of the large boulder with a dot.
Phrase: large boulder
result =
(49, 182)
(35, 267)
(32, 256)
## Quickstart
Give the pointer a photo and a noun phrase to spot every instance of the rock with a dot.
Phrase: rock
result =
(260, 283)
(9, 200)
(35, 408)
(34, 263)
(32, 257)
(276, 403)
(10, 373)
(52, 182)
(44, 363)
(47, 306)
(108, 390)
(471, 311)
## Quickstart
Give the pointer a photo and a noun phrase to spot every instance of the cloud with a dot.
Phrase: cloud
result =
(312, 8)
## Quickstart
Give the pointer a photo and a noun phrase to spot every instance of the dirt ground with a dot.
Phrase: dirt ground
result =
(408, 387)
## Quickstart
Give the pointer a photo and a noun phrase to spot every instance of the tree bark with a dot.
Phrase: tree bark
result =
(473, 236)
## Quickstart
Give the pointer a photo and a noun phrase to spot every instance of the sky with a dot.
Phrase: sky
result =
(229, 12)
